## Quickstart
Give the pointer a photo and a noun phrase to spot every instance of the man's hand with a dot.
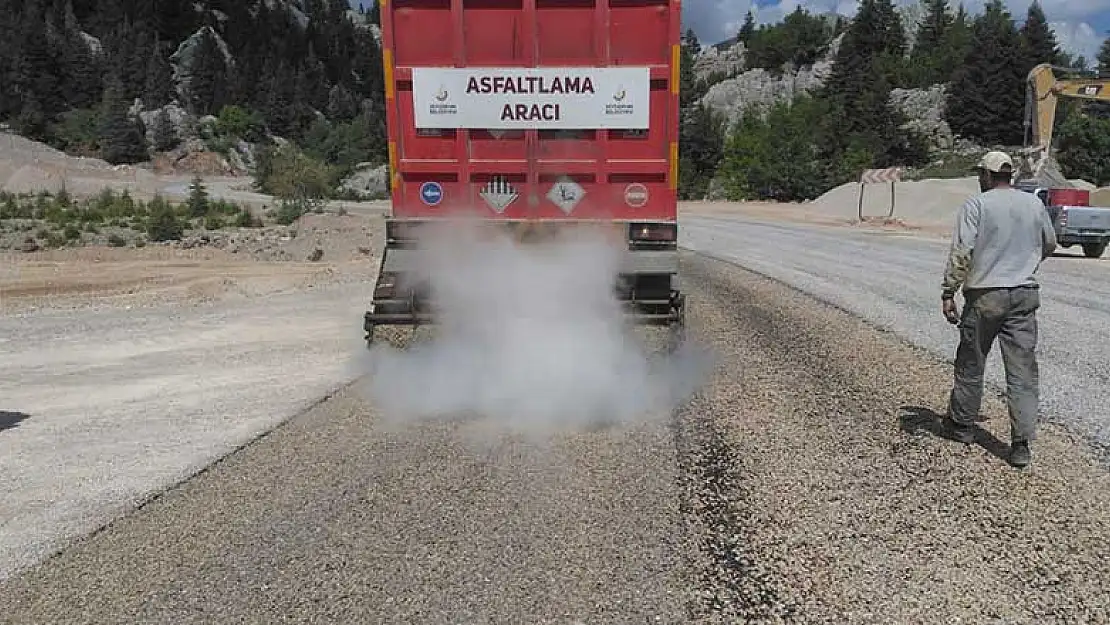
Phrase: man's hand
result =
(948, 307)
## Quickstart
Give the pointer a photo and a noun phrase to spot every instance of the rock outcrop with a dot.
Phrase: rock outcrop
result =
(760, 89)
(715, 62)
(180, 120)
(367, 182)
(184, 60)
(925, 110)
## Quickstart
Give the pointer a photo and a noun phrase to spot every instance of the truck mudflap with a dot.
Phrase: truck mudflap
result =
(644, 285)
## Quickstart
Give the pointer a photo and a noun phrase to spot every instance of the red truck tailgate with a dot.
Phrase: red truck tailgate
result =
(533, 109)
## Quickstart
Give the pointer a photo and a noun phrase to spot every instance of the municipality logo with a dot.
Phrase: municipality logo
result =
(440, 106)
(621, 107)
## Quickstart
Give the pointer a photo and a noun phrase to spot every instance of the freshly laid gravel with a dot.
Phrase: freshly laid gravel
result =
(802, 484)
(893, 281)
(838, 502)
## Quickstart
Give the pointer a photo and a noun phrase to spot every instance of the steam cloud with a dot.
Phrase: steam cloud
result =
(530, 337)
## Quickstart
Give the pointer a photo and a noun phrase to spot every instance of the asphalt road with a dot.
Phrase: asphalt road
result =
(118, 404)
(892, 280)
(802, 483)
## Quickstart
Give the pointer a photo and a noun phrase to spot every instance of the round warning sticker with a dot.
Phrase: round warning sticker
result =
(635, 195)
(431, 193)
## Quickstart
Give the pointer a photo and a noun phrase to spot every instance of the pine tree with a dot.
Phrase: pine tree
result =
(341, 104)
(280, 115)
(868, 65)
(84, 85)
(957, 42)
(38, 67)
(175, 20)
(165, 135)
(927, 55)
(31, 120)
(701, 143)
(198, 198)
(688, 91)
(1038, 42)
(121, 138)
(208, 76)
(312, 89)
(158, 89)
(747, 29)
(986, 100)
(1103, 58)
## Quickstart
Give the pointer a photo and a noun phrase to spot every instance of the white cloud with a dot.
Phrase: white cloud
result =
(1078, 38)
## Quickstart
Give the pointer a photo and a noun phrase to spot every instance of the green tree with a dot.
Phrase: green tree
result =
(987, 98)
(1103, 58)
(776, 158)
(747, 29)
(1038, 41)
(38, 66)
(301, 182)
(163, 223)
(158, 89)
(165, 135)
(1084, 148)
(956, 45)
(198, 202)
(81, 72)
(701, 139)
(689, 90)
(208, 81)
(121, 136)
(869, 63)
(799, 41)
(928, 55)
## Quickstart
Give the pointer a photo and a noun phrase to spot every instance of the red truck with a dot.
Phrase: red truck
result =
(535, 113)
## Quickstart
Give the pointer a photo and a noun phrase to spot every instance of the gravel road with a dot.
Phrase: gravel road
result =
(893, 281)
(803, 483)
(117, 404)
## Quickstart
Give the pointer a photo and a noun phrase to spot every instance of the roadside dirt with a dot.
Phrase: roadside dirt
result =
(232, 265)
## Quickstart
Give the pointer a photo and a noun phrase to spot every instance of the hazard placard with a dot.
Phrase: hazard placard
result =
(566, 194)
(499, 194)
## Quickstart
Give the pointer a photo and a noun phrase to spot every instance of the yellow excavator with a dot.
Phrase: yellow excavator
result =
(1042, 91)
(1086, 224)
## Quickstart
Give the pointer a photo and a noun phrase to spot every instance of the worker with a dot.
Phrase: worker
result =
(1001, 237)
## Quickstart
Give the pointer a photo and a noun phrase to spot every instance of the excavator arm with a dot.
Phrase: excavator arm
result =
(1043, 91)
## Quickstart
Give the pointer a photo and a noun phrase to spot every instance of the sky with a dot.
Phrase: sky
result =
(1080, 25)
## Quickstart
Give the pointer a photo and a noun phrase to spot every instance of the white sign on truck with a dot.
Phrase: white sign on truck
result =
(542, 98)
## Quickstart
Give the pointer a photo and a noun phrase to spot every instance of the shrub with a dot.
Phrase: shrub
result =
(164, 224)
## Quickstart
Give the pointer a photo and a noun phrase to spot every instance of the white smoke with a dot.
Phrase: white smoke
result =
(530, 337)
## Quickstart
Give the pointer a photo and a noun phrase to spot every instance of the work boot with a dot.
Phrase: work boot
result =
(1020, 455)
(957, 432)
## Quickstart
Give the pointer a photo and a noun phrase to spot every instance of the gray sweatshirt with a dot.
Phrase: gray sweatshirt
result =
(1001, 237)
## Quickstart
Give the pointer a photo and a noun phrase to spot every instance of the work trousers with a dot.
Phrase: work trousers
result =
(1010, 314)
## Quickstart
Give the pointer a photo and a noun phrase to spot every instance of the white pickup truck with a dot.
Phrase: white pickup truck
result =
(1087, 226)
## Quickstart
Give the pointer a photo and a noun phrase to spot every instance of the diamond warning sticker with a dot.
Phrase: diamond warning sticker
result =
(566, 194)
(498, 193)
